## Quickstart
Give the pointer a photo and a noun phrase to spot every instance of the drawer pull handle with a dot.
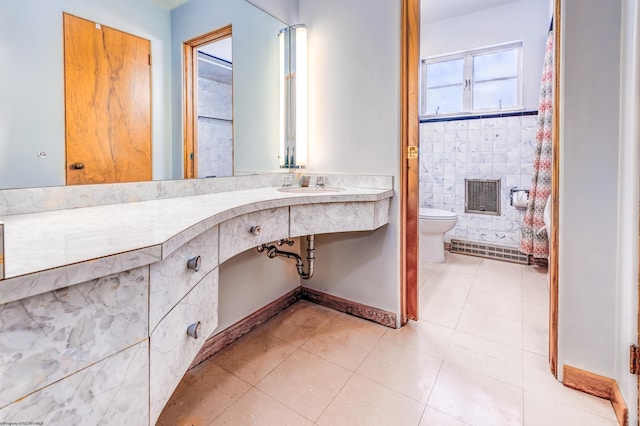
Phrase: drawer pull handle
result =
(194, 263)
(255, 230)
(194, 330)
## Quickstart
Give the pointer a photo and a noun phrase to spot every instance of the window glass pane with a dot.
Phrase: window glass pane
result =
(445, 73)
(497, 94)
(492, 66)
(444, 100)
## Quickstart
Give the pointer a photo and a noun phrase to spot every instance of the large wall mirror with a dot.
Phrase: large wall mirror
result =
(32, 92)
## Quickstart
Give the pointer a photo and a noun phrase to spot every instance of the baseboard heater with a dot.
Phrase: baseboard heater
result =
(490, 251)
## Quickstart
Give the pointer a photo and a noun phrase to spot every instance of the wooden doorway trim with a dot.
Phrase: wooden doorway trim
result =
(190, 96)
(409, 169)
(555, 196)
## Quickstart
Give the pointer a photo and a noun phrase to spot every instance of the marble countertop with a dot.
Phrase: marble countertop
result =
(37, 242)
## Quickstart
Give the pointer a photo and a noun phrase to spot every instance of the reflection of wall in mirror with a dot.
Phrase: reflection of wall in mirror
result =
(32, 93)
(31, 83)
(255, 77)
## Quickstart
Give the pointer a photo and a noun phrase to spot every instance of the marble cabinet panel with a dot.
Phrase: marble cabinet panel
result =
(381, 213)
(336, 217)
(47, 337)
(24, 286)
(172, 350)
(114, 391)
(1, 251)
(171, 279)
(236, 235)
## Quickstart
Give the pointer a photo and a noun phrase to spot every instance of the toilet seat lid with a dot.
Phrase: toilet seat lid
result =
(436, 214)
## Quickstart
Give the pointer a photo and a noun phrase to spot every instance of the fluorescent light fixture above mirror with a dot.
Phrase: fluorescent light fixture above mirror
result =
(293, 96)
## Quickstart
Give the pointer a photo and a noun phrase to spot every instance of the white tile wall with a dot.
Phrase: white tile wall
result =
(215, 137)
(491, 148)
(215, 148)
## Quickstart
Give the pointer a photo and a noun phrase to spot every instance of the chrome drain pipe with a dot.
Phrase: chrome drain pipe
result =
(273, 251)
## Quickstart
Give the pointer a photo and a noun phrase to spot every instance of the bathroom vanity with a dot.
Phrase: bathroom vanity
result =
(110, 292)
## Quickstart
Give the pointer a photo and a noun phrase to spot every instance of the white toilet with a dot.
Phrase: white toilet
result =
(433, 224)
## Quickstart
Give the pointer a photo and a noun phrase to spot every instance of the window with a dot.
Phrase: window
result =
(474, 81)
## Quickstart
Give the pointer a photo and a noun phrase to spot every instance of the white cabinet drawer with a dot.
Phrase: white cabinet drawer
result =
(172, 278)
(172, 349)
(114, 391)
(236, 235)
(47, 337)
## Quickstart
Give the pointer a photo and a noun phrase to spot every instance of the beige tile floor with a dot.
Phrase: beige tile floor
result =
(477, 356)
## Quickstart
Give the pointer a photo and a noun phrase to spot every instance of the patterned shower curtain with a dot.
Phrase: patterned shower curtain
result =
(534, 240)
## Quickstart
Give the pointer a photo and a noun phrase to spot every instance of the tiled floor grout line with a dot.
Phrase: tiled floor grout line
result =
(353, 373)
(426, 404)
(521, 348)
(491, 340)
(282, 402)
(238, 399)
(390, 388)
(300, 348)
(335, 396)
(442, 360)
(254, 386)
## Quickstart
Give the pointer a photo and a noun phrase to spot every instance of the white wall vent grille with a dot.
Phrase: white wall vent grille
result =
(482, 196)
(490, 251)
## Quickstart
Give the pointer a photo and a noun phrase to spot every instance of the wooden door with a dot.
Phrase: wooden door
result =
(107, 104)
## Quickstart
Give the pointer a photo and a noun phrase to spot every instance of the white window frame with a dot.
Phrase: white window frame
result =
(467, 102)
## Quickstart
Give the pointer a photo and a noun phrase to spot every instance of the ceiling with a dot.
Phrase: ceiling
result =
(431, 10)
(169, 4)
(436, 10)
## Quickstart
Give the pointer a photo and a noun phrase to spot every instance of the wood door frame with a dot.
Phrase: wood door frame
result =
(555, 197)
(190, 96)
(409, 165)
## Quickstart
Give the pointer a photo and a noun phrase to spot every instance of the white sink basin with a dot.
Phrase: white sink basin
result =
(310, 189)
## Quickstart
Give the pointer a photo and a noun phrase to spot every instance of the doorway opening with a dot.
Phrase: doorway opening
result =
(410, 189)
(208, 101)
